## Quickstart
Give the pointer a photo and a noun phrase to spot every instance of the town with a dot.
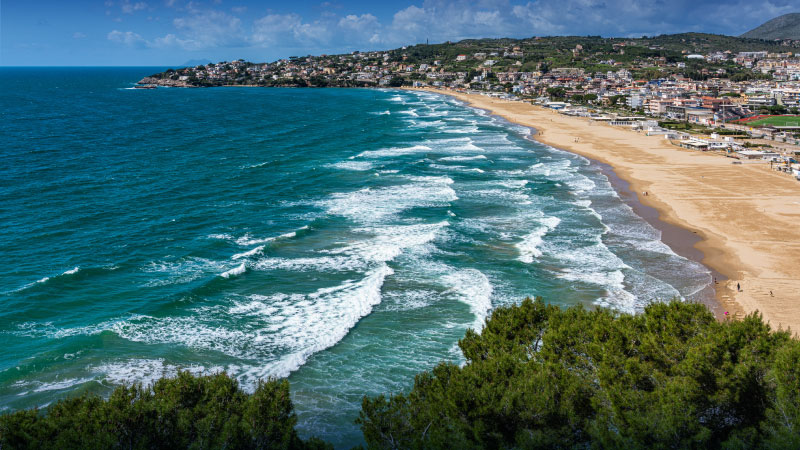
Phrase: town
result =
(732, 95)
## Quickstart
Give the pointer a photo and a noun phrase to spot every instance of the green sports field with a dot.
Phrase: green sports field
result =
(777, 121)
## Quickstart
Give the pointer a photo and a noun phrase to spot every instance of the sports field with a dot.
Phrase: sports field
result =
(776, 121)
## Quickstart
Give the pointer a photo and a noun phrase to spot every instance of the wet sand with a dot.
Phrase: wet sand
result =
(741, 221)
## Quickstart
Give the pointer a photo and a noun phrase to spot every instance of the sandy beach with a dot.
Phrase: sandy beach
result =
(745, 216)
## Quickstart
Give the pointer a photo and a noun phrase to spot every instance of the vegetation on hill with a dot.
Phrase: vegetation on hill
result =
(536, 377)
(645, 57)
(786, 26)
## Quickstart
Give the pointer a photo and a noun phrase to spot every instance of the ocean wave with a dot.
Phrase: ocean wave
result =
(44, 280)
(249, 253)
(248, 240)
(297, 326)
(148, 371)
(472, 287)
(181, 271)
(374, 205)
(39, 386)
(457, 168)
(596, 264)
(463, 158)
(380, 244)
(529, 246)
(393, 152)
(256, 166)
(352, 165)
(236, 271)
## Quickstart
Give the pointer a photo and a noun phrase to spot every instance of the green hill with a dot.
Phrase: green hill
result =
(786, 26)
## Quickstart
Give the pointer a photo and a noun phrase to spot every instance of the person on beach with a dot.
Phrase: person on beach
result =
(738, 288)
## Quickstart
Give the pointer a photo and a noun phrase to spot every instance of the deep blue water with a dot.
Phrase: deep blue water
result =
(345, 238)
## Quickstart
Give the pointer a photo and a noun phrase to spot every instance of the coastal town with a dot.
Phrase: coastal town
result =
(739, 97)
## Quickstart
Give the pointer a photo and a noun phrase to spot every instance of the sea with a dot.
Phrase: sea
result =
(343, 238)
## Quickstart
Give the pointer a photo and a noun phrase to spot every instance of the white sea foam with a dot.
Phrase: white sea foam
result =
(463, 158)
(59, 384)
(465, 130)
(393, 152)
(249, 253)
(456, 168)
(318, 263)
(456, 145)
(353, 165)
(256, 166)
(147, 371)
(472, 287)
(72, 271)
(596, 264)
(380, 244)
(238, 270)
(248, 240)
(291, 327)
(180, 271)
(375, 205)
(529, 246)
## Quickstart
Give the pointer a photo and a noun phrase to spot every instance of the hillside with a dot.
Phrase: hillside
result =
(786, 26)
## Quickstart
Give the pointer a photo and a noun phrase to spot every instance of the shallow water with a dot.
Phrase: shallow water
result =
(345, 238)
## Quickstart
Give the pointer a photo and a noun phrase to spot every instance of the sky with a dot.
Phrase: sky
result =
(174, 32)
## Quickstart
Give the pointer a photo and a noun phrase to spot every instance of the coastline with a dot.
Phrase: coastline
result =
(743, 216)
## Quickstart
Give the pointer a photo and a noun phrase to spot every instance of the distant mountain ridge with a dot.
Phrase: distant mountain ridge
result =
(786, 26)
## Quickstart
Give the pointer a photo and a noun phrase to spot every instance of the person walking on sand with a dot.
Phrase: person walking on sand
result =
(738, 287)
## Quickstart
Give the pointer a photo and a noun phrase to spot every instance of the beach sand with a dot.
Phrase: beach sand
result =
(745, 216)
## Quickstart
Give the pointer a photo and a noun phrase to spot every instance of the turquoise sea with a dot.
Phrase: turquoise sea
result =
(345, 238)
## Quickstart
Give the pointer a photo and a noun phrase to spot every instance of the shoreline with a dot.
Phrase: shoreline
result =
(740, 222)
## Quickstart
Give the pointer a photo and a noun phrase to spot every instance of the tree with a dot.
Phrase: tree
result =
(541, 377)
(612, 101)
(181, 412)
(396, 81)
(557, 92)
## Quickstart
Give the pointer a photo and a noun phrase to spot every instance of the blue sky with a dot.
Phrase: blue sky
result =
(171, 32)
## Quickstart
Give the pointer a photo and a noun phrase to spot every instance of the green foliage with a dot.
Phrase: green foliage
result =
(183, 412)
(396, 81)
(542, 377)
(557, 92)
(614, 99)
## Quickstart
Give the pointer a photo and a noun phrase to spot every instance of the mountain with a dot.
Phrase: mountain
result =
(786, 26)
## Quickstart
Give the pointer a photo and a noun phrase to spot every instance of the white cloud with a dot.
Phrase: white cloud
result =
(200, 28)
(130, 8)
(128, 38)
(78, 35)
(208, 29)
(287, 30)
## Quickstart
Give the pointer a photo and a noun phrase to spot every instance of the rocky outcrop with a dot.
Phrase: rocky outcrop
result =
(165, 82)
